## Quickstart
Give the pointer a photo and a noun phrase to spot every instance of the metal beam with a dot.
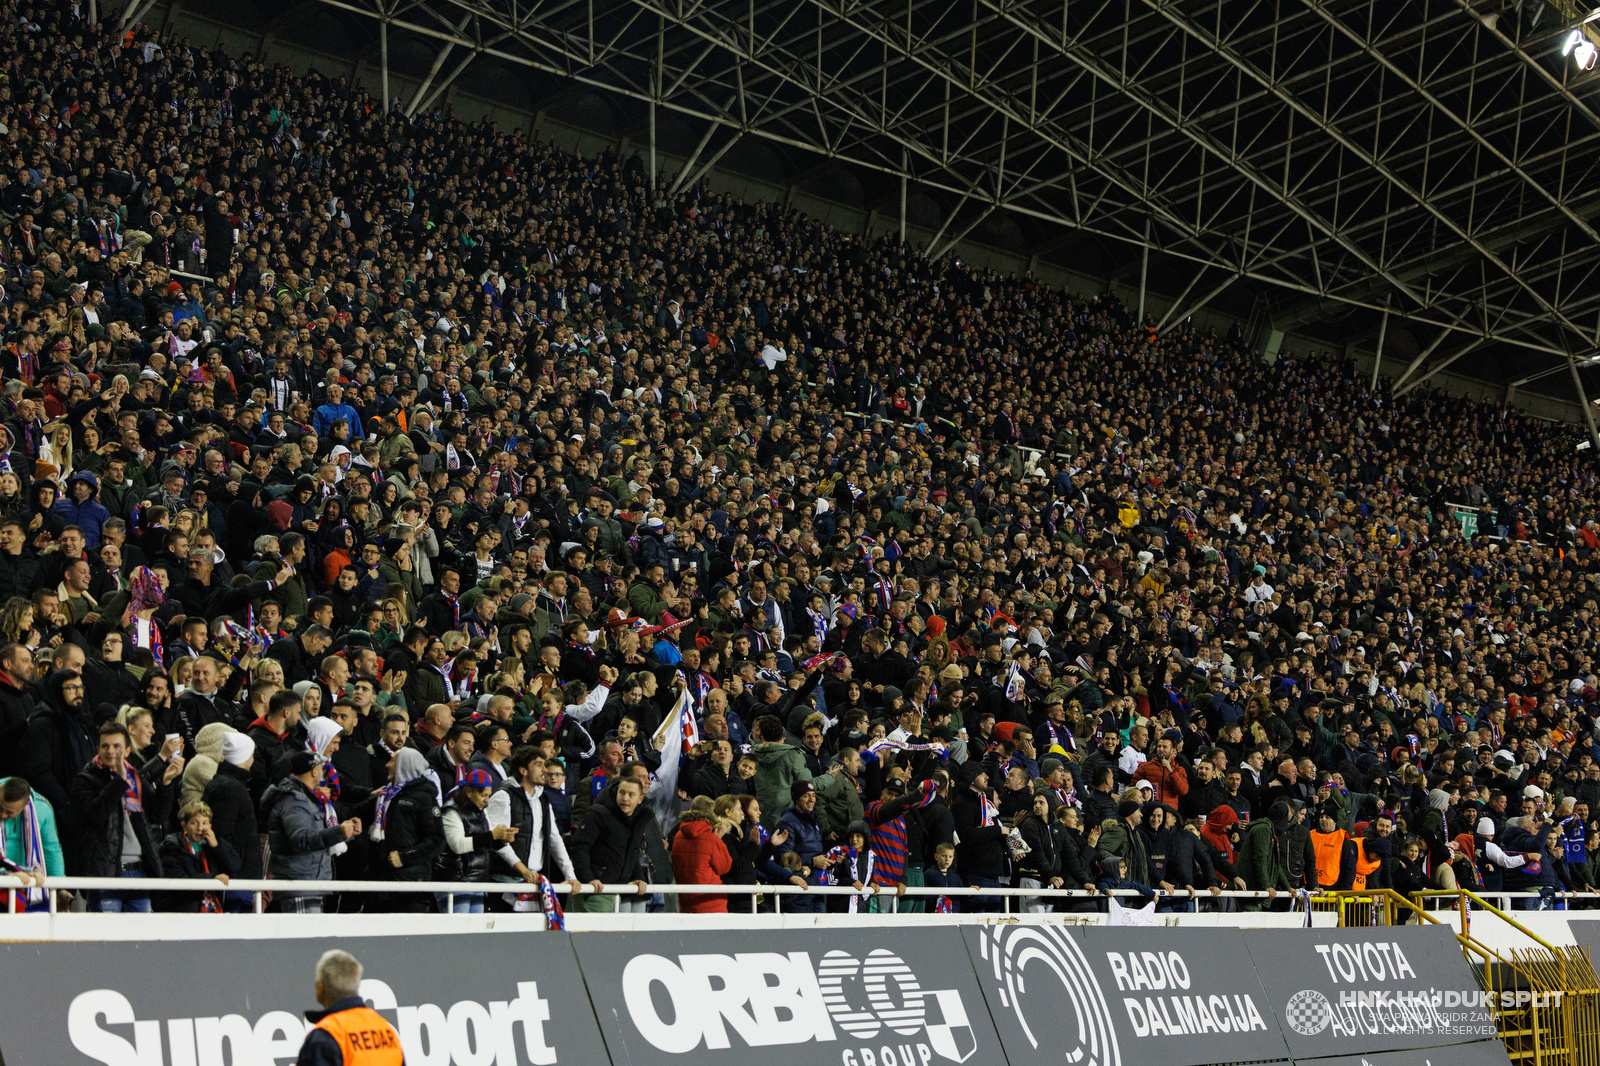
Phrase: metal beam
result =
(1435, 370)
(1377, 358)
(438, 62)
(1583, 400)
(958, 238)
(1421, 358)
(1197, 305)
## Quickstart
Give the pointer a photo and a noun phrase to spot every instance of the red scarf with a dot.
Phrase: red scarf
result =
(133, 788)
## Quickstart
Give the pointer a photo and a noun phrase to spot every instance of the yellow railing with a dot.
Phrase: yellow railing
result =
(1545, 1000)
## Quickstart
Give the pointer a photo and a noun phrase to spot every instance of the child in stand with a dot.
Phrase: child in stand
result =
(940, 875)
(802, 904)
(852, 865)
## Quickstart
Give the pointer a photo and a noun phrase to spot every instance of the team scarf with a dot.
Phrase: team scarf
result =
(380, 817)
(988, 813)
(703, 684)
(455, 608)
(456, 685)
(133, 787)
(555, 917)
(944, 906)
(874, 751)
(819, 624)
(1059, 736)
(1014, 682)
(144, 589)
(32, 843)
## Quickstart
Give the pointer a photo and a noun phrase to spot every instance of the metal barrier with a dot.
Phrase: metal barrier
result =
(1545, 999)
(1011, 899)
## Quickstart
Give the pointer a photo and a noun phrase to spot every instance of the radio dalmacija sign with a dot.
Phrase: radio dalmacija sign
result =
(1122, 997)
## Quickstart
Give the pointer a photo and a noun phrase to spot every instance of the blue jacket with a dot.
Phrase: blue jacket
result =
(805, 834)
(325, 416)
(90, 515)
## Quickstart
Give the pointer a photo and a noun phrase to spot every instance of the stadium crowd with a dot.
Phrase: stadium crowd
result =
(374, 493)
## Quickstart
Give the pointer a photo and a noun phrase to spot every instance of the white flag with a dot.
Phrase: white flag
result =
(1121, 915)
(677, 735)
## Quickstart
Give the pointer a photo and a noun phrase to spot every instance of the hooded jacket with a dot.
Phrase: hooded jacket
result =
(90, 516)
(415, 829)
(59, 745)
(699, 857)
(1119, 839)
(778, 766)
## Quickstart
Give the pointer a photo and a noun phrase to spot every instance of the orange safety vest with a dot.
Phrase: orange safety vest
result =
(1364, 865)
(364, 1036)
(1329, 849)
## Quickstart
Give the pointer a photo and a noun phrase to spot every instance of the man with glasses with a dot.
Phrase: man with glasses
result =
(555, 786)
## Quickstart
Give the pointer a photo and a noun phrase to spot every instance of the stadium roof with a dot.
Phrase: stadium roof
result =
(1432, 158)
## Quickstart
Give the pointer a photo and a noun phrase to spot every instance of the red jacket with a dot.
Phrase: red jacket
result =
(1170, 785)
(699, 857)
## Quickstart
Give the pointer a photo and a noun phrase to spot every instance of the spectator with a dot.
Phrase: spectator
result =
(469, 842)
(301, 842)
(608, 847)
(116, 807)
(408, 829)
(699, 857)
(28, 840)
(59, 746)
(779, 765)
(537, 849)
(194, 852)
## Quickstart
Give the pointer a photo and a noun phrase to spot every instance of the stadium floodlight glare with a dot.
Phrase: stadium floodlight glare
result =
(1582, 51)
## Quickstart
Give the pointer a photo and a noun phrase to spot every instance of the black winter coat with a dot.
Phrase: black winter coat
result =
(606, 844)
(59, 745)
(416, 830)
(97, 801)
(233, 817)
(178, 860)
(1188, 862)
(981, 851)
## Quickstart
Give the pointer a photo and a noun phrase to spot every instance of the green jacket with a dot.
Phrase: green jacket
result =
(1261, 857)
(778, 767)
(838, 803)
(54, 864)
(1119, 839)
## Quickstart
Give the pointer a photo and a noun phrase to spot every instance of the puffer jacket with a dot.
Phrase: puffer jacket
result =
(805, 834)
(473, 864)
(699, 857)
(296, 834)
(90, 516)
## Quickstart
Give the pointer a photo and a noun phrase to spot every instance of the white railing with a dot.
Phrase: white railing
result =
(450, 889)
(258, 889)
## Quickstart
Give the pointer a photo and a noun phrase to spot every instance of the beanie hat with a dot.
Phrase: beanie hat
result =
(237, 749)
(1127, 807)
(1486, 827)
